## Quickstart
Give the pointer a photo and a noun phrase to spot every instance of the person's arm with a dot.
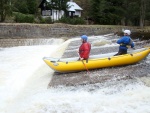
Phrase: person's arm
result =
(120, 41)
(131, 43)
(81, 51)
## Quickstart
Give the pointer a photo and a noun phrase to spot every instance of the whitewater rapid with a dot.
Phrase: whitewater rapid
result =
(24, 79)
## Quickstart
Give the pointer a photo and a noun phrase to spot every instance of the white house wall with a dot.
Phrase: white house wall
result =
(78, 13)
(56, 15)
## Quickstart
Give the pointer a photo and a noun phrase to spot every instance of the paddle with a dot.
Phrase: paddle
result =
(84, 64)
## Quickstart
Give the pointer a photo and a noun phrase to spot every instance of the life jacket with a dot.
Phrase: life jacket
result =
(125, 42)
(84, 50)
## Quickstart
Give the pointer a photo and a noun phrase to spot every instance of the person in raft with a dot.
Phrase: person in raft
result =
(84, 49)
(125, 42)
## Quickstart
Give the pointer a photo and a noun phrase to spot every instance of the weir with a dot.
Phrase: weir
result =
(27, 42)
(24, 34)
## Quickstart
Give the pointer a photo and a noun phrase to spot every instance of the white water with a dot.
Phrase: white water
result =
(24, 78)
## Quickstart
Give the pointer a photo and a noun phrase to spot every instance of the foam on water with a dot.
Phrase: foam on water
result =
(24, 78)
(130, 98)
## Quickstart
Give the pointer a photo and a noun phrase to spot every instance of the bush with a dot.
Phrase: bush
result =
(22, 18)
(73, 21)
(46, 20)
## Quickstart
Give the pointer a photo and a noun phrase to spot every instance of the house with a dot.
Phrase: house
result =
(73, 10)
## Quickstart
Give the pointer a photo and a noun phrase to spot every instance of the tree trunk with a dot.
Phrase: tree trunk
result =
(142, 13)
(2, 10)
(5, 9)
(123, 21)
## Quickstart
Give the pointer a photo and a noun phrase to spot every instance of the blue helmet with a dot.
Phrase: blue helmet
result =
(84, 37)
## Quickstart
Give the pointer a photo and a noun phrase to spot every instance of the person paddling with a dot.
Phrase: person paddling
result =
(84, 49)
(124, 42)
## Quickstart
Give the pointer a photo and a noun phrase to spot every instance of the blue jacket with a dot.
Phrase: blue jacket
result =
(124, 42)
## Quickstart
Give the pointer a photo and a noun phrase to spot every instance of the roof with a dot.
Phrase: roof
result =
(48, 0)
(73, 6)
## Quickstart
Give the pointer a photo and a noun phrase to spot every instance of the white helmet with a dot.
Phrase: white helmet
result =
(127, 31)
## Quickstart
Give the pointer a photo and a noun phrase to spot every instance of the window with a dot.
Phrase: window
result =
(46, 13)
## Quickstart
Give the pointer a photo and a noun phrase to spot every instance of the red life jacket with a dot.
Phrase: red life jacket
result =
(84, 50)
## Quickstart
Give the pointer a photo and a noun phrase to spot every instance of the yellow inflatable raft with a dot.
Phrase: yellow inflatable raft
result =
(96, 61)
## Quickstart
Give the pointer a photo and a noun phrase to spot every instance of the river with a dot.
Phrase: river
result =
(24, 79)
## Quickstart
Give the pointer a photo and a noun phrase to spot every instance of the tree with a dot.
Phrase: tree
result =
(85, 5)
(61, 5)
(26, 6)
(107, 11)
(142, 12)
(32, 6)
(58, 5)
(97, 11)
(21, 6)
(5, 9)
(124, 12)
(64, 6)
(115, 11)
(147, 14)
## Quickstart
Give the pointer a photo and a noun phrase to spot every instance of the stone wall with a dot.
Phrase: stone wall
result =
(16, 34)
(14, 30)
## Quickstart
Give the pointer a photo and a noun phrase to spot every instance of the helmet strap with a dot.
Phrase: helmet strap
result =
(84, 41)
